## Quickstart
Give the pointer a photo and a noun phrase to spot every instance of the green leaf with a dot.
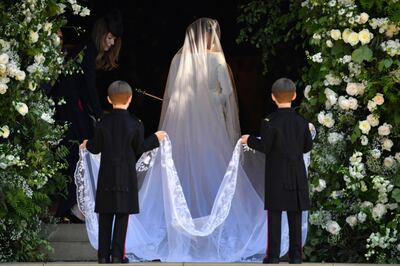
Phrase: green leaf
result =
(396, 194)
(356, 134)
(361, 54)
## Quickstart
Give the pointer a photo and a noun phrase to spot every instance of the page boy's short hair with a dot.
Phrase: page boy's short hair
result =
(283, 90)
(119, 92)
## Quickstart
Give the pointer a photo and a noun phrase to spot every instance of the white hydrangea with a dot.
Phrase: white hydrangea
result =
(361, 217)
(331, 79)
(334, 137)
(391, 47)
(345, 59)
(375, 153)
(378, 211)
(317, 58)
(47, 117)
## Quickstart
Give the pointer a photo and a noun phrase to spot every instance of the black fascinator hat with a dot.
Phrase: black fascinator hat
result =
(114, 23)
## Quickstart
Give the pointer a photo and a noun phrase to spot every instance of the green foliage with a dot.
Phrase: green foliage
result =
(31, 158)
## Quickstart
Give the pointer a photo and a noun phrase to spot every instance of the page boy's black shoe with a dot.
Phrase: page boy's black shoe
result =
(118, 260)
(270, 261)
(295, 261)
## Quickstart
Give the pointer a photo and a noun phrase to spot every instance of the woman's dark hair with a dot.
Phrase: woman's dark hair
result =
(112, 22)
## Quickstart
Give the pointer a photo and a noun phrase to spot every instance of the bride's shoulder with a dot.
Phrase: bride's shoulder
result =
(216, 57)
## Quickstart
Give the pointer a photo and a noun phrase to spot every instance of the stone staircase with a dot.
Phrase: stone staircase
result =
(70, 243)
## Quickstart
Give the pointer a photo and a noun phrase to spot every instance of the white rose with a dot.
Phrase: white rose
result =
(331, 96)
(353, 39)
(371, 106)
(365, 36)
(307, 92)
(363, 18)
(364, 140)
(333, 227)
(329, 43)
(3, 69)
(384, 130)
(387, 144)
(56, 40)
(39, 59)
(321, 185)
(378, 211)
(4, 58)
(364, 126)
(5, 131)
(3, 88)
(85, 12)
(397, 156)
(378, 99)
(326, 119)
(346, 34)
(344, 103)
(353, 104)
(352, 89)
(336, 34)
(22, 108)
(47, 26)
(20, 75)
(32, 86)
(351, 220)
(389, 162)
(373, 120)
(33, 36)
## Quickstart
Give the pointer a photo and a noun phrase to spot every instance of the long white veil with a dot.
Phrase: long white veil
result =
(196, 201)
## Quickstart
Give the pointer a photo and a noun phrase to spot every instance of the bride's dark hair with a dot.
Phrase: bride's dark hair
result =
(112, 22)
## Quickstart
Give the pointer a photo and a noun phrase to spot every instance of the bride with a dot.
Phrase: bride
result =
(196, 201)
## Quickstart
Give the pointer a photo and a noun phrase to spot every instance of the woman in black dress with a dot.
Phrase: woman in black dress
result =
(79, 90)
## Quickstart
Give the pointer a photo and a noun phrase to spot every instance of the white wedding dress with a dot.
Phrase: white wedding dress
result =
(197, 203)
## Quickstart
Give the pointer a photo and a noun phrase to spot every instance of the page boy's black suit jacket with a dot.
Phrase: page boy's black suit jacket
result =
(119, 138)
(284, 137)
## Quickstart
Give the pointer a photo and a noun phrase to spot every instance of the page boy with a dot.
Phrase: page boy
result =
(284, 137)
(119, 138)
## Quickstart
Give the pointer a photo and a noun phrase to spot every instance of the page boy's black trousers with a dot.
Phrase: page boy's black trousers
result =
(112, 242)
(274, 219)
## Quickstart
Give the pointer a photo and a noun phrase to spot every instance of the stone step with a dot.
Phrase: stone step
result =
(69, 242)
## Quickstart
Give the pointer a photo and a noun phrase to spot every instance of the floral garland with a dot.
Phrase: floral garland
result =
(30, 155)
(353, 88)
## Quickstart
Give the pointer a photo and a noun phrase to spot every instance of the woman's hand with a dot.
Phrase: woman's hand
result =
(83, 144)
